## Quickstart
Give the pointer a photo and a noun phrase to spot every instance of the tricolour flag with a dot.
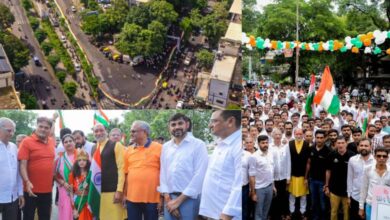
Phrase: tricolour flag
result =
(365, 121)
(326, 95)
(62, 123)
(309, 100)
(95, 185)
(101, 118)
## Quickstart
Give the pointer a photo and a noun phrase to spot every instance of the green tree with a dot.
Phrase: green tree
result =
(24, 120)
(205, 58)
(6, 17)
(70, 89)
(29, 100)
(61, 75)
(186, 26)
(47, 47)
(213, 28)
(163, 11)
(127, 38)
(91, 25)
(139, 15)
(53, 60)
(40, 35)
(16, 50)
(117, 15)
(26, 5)
(34, 22)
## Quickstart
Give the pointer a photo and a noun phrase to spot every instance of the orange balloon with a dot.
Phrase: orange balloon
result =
(288, 45)
(370, 35)
(367, 42)
(388, 51)
(320, 48)
(297, 44)
(307, 46)
(336, 45)
(362, 37)
(355, 50)
(252, 41)
(274, 44)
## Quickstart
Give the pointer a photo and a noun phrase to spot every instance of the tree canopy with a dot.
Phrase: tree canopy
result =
(24, 121)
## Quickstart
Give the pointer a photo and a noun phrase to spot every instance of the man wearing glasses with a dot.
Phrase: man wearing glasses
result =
(375, 175)
(142, 170)
(11, 185)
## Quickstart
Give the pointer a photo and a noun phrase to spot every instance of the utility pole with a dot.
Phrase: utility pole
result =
(297, 48)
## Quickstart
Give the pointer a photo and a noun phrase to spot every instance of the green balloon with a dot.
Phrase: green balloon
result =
(303, 46)
(377, 50)
(260, 43)
(316, 46)
(388, 34)
(279, 45)
(353, 41)
(359, 44)
(343, 49)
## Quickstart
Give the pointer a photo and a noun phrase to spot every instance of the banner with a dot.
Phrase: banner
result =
(380, 203)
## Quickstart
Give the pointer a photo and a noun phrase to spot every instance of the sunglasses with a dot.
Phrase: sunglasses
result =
(382, 156)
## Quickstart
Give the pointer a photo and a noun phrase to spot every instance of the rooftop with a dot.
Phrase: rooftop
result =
(223, 69)
(9, 99)
(203, 85)
(234, 32)
(236, 7)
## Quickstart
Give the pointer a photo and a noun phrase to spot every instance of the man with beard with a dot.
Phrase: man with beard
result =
(112, 175)
(142, 170)
(82, 143)
(315, 172)
(222, 185)
(288, 130)
(346, 132)
(36, 156)
(261, 178)
(183, 166)
(115, 135)
(332, 137)
(356, 136)
(375, 137)
(259, 124)
(269, 126)
(298, 187)
(386, 142)
(356, 166)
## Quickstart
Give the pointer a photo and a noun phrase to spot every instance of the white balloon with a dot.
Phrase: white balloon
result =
(380, 39)
(284, 45)
(311, 46)
(268, 45)
(367, 50)
(348, 39)
(266, 41)
(349, 45)
(376, 33)
(326, 46)
(245, 39)
(248, 46)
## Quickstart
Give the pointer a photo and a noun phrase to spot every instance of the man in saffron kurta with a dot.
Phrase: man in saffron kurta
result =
(112, 176)
(298, 188)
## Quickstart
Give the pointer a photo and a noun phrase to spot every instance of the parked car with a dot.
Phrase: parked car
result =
(36, 61)
(73, 8)
(180, 104)
(188, 58)
(63, 39)
(137, 60)
(77, 67)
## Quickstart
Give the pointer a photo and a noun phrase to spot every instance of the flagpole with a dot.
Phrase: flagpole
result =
(297, 46)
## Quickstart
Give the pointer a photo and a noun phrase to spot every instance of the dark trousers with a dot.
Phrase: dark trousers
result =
(354, 210)
(318, 206)
(9, 210)
(245, 202)
(136, 210)
(279, 204)
(42, 202)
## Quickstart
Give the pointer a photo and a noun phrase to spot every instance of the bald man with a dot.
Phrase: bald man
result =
(298, 187)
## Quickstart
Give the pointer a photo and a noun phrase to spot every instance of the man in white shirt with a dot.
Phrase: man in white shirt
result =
(282, 174)
(375, 175)
(11, 184)
(183, 166)
(221, 193)
(356, 166)
(261, 178)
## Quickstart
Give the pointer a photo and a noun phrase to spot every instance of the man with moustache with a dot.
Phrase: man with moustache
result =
(288, 131)
(356, 136)
(36, 156)
(261, 178)
(83, 144)
(11, 184)
(298, 187)
(183, 166)
(269, 126)
(221, 192)
(112, 175)
(356, 166)
(142, 169)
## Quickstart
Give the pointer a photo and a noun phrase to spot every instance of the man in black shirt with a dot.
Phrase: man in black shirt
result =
(336, 178)
(356, 136)
(315, 170)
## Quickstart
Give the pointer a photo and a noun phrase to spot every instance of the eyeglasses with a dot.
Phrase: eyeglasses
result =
(8, 130)
(382, 156)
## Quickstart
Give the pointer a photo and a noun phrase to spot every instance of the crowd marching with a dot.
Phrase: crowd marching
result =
(106, 180)
(319, 166)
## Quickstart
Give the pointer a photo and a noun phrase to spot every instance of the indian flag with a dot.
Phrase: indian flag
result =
(62, 123)
(95, 184)
(365, 121)
(326, 95)
(101, 118)
(309, 101)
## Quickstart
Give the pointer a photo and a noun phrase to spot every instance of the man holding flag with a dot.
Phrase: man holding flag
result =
(107, 179)
(326, 95)
(310, 97)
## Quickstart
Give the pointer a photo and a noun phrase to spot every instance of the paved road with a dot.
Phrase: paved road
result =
(116, 78)
(40, 78)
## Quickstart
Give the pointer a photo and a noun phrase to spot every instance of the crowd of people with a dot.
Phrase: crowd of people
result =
(106, 180)
(319, 166)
